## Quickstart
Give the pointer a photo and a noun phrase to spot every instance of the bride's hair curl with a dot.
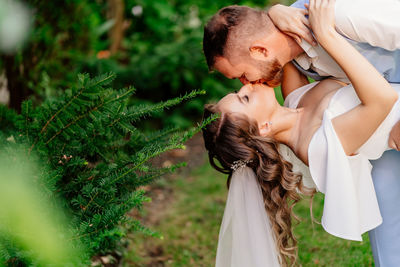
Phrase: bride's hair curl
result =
(234, 137)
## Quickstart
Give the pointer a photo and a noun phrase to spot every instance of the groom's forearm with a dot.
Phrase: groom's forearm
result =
(291, 79)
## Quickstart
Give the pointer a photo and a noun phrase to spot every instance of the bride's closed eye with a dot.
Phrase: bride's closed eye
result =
(246, 97)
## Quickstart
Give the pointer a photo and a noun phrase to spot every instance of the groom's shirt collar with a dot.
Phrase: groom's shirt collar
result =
(318, 60)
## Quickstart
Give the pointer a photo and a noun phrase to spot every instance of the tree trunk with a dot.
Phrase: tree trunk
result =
(16, 87)
(117, 31)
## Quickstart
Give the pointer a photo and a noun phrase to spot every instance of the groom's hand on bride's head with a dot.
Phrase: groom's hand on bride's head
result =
(292, 21)
(394, 137)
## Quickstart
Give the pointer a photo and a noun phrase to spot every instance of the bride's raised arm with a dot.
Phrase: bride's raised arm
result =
(375, 93)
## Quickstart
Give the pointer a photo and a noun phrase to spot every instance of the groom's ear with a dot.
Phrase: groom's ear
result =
(259, 51)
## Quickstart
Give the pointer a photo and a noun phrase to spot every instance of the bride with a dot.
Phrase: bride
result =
(332, 127)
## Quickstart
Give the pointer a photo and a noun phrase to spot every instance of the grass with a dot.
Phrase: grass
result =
(190, 225)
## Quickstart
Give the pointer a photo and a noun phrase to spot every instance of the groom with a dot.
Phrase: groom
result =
(243, 43)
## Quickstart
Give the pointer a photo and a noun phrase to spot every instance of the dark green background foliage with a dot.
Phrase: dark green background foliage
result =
(164, 52)
(160, 52)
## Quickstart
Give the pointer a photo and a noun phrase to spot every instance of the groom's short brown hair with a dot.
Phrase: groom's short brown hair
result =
(233, 23)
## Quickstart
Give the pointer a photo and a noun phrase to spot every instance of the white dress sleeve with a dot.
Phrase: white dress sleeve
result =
(350, 204)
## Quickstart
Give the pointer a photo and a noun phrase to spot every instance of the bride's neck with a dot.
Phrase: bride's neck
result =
(286, 122)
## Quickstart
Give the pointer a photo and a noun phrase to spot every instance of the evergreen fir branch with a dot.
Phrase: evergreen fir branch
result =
(137, 226)
(181, 138)
(103, 79)
(5, 246)
(127, 126)
(122, 94)
(8, 118)
(135, 113)
(75, 121)
(90, 201)
(148, 178)
(158, 135)
(85, 234)
(176, 141)
(26, 110)
(100, 183)
(146, 154)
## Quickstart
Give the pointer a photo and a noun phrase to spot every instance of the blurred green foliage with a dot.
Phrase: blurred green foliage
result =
(33, 231)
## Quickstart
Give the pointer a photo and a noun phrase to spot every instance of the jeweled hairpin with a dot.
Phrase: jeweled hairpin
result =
(239, 164)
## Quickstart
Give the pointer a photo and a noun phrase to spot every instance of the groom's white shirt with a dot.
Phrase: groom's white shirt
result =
(372, 27)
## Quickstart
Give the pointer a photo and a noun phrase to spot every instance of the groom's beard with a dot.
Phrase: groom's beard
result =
(273, 73)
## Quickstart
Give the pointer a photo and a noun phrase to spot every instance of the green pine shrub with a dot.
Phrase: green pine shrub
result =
(94, 159)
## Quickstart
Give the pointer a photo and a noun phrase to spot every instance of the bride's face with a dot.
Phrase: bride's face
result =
(257, 101)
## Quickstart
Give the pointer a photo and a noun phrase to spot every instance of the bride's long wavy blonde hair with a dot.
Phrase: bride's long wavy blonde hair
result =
(235, 137)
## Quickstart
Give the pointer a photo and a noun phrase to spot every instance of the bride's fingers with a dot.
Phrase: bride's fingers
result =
(307, 35)
(306, 22)
(317, 4)
(311, 5)
(295, 37)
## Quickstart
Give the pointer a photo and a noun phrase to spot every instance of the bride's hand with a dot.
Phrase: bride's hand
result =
(292, 21)
(322, 18)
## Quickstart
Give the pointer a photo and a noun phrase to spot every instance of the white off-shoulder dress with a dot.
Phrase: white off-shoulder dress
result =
(350, 204)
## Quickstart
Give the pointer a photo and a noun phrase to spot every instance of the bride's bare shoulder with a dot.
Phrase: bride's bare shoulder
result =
(322, 92)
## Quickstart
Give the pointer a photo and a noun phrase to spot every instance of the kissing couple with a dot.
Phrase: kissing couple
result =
(338, 135)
